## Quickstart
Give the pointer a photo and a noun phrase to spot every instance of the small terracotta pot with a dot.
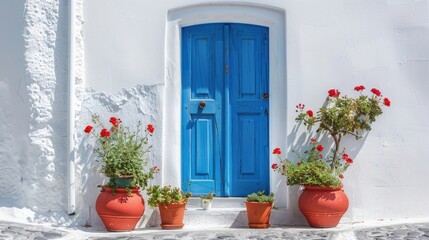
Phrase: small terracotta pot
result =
(172, 215)
(259, 214)
(118, 211)
(323, 207)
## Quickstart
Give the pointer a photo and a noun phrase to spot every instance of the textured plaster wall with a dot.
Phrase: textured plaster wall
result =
(33, 107)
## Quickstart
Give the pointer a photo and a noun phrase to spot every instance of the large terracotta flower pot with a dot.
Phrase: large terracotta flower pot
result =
(172, 215)
(118, 210)
(323, 207)
(258, 214)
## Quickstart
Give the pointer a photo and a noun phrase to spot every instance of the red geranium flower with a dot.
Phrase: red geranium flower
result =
(155, 169)
(319, 148)
(105, 133)
(274, 166)
(345, 156)
(277, 151)
(310, 113)
(313, 140)
(359, 88)
(387, 102)
(376, 92)
(150, 128)
(88, 129)
(341, 176)
(115, 121)
(349, 160)
(334, 93)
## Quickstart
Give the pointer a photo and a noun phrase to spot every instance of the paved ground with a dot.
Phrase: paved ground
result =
(9, 231)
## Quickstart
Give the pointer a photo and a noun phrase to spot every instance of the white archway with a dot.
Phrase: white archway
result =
(270, 17)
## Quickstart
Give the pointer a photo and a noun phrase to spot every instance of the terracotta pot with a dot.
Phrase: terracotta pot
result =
(172, 215)
(258, 214)
(323, 207)
(118, 211)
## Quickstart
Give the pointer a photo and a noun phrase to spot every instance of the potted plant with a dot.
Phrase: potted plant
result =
(323, 202)
(258, 208)
(121, 155)
(171, 202)
(206, 201)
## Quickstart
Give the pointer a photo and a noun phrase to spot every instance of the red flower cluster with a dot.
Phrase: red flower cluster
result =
(346, 158)
(105, 133)
(387, 102)
(156, 169)
(88, 129)
(376, 92)
(277, 151)
(359, 88)
(150, 128)
(310, 113)
(274, 166)
(334, 93)
(115, 121)
(319, 148)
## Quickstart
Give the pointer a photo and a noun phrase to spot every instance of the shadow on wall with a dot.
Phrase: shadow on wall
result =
(299, 142)
(14, 110)
(140, 103)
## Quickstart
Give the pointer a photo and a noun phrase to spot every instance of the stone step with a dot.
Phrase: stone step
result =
(219, 202)
(225, 212)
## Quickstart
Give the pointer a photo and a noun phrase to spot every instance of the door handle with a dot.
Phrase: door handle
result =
(202, 104)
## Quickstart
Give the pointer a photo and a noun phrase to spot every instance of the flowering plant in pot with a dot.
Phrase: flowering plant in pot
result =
(122, 156)
(122, 152)
(339, 117)
(258, 208)
(171, 202)
(206, 201)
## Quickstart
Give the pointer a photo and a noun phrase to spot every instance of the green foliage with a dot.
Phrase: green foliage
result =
(122, 152)
(166, 195)
(260, 197)
(339, 117)
(208, 196)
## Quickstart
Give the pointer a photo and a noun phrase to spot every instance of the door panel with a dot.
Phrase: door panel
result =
(225, 143)
(202, 82)
(249, 82)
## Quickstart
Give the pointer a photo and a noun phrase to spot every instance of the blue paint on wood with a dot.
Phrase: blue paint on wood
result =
(225, 144)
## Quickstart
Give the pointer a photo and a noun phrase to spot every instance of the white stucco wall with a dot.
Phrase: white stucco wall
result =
(127, 66)
(329, 44)
(33, 108)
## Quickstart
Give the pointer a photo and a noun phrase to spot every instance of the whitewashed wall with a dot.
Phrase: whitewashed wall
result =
(327, 44)
(33, 108)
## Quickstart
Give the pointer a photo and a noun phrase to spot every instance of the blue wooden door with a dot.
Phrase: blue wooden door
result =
(225, 109)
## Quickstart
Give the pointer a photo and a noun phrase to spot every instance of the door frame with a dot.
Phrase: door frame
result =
(263, 15)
